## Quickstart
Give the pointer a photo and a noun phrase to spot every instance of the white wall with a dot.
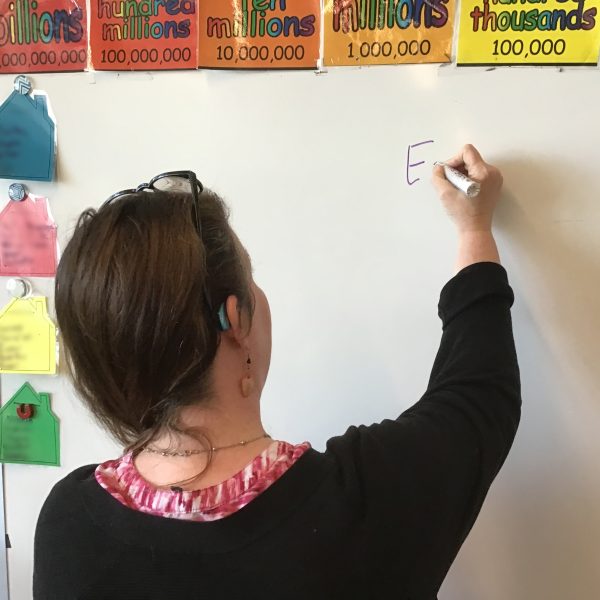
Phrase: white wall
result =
(353, 259)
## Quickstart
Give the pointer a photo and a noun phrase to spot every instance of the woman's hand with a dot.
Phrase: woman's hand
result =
(472, 216)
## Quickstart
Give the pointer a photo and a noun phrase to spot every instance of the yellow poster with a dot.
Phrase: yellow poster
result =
(384, 32)
(27, 337)
(543, 32)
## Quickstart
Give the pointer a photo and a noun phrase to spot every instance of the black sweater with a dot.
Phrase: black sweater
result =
(380, 514)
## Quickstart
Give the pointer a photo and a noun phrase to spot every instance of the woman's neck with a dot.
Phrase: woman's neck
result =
(168, 470)
(209, 426)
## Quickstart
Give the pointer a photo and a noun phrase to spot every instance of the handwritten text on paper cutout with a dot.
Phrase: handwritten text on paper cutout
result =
(28, 238)
(27, 337)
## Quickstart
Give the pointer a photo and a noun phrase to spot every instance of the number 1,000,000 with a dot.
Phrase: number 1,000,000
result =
(387, 50)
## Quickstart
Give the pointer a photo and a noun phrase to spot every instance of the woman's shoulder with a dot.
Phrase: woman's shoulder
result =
(62, 498)
(74, 478)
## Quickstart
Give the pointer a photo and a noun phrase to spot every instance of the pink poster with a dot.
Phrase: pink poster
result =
(28, 238)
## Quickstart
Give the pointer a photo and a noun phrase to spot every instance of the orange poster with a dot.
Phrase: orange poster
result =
(383, 32)
(129, 35)
(259, 34)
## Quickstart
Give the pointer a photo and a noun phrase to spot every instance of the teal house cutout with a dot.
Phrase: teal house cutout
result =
(29, 430)
(27, 138)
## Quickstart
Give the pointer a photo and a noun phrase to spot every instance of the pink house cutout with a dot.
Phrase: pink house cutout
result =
(28, 238)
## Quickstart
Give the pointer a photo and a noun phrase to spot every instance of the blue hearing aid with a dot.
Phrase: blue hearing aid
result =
(224, 323)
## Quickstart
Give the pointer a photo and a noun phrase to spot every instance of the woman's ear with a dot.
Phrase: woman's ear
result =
(231, 315)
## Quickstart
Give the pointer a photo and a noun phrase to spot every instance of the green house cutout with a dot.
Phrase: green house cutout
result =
(29, 432)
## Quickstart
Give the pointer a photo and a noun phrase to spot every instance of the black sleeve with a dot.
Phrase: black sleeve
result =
(421, 479)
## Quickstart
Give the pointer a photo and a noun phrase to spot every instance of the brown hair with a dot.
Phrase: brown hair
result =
(137, 331)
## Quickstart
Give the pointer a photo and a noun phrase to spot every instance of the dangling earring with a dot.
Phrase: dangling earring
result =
(247, 381)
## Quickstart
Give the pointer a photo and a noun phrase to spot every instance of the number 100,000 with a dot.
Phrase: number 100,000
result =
(516, 47)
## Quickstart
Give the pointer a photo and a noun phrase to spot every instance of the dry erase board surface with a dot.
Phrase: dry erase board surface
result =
(352, 249)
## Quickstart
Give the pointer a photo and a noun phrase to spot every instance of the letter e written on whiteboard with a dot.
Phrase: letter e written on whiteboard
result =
(412, 165)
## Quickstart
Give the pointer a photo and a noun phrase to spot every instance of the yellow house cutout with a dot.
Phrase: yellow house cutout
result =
(27, 337)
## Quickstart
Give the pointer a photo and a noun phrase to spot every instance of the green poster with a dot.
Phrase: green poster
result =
(29, 430)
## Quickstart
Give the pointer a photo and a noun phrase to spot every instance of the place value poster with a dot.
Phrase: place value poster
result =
(380, 32)
(143, 34)
(42, 36)
(259, 34)
(530, 32)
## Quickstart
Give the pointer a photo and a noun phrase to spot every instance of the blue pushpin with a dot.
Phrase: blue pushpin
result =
(22, 85)
(17, 191)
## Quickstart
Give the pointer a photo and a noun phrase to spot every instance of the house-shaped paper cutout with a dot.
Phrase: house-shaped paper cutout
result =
(27, 138)
(27, 337)
(28, 239)
(29, 441)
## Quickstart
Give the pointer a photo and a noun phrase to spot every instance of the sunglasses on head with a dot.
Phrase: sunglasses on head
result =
(184, 182)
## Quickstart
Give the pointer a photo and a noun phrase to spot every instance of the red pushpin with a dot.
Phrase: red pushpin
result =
(25, 411)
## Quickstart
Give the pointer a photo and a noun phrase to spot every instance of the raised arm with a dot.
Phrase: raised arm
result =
(423, 476)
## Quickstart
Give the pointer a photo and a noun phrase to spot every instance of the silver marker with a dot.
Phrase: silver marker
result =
(459, 180)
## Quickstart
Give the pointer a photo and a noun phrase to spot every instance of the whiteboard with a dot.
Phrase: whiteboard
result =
(353, 258)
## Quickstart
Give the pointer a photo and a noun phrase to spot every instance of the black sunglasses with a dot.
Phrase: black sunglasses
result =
(182, 182)
(172, 181)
